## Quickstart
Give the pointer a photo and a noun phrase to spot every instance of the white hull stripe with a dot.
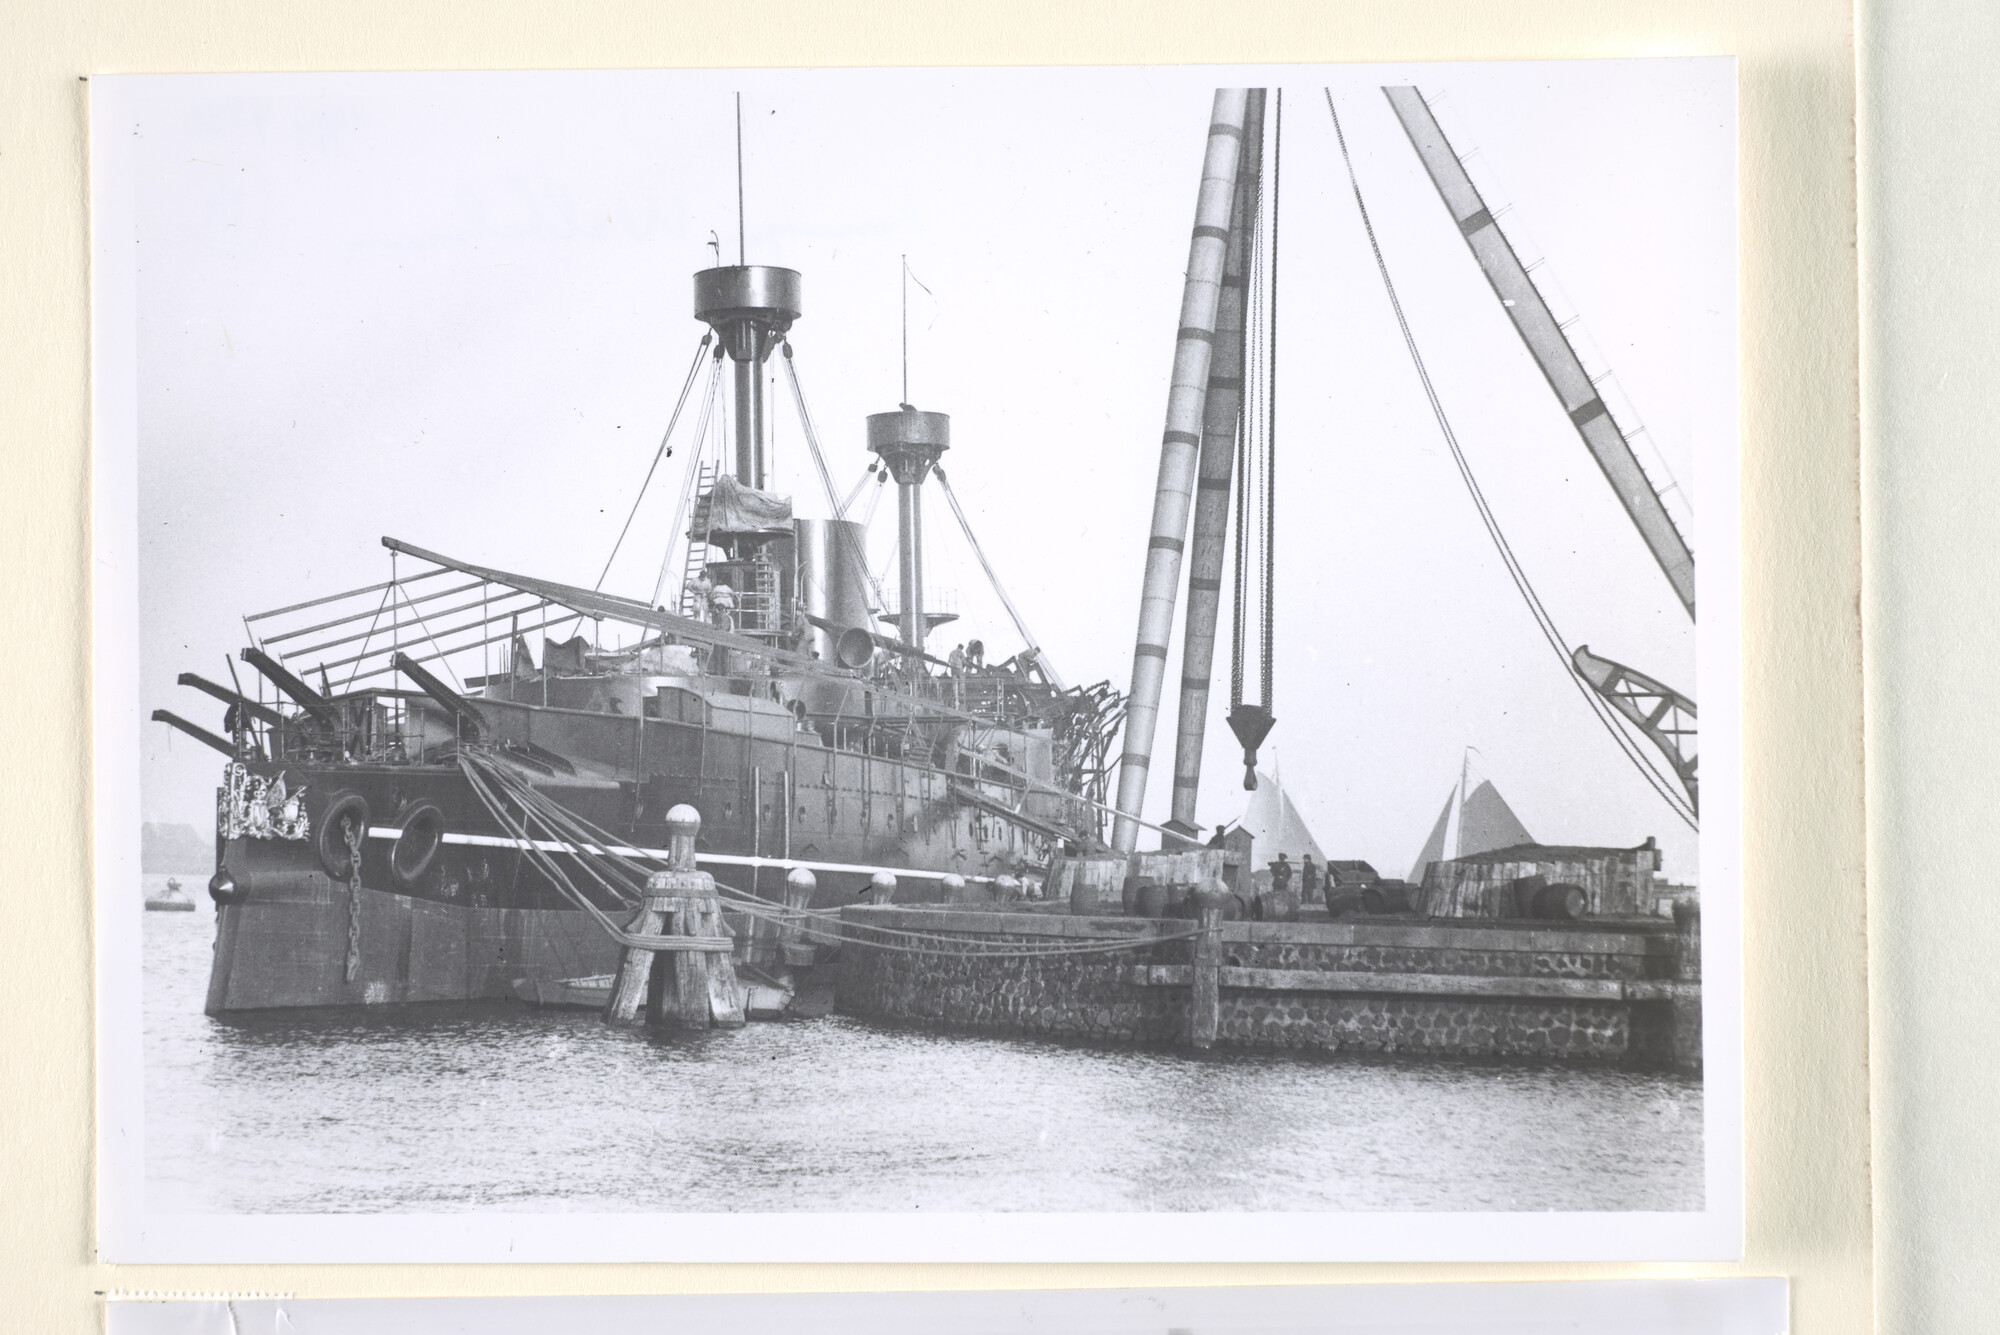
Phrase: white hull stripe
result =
(660, 855)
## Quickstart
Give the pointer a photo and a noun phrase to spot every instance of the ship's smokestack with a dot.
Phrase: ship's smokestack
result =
(909, 443)
(750, 306)
(1173, 495)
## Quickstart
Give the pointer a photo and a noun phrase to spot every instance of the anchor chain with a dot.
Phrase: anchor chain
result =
(352, 830)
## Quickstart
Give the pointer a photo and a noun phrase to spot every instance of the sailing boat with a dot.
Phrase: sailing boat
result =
(1275, 826)
(1475, 819)
(1481, 862)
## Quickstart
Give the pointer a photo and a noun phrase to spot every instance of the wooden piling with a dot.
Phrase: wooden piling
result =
(1205, 992)
(1686, 1003)
(683, 986)
(633, 984)
(1093, 885)
(796, 950)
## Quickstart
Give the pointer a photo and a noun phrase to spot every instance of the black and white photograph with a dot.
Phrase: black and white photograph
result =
(986, 664)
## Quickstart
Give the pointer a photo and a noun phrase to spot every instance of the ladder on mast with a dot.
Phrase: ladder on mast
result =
(691, 604)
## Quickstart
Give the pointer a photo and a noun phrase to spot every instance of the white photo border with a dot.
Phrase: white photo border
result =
(129, 1233)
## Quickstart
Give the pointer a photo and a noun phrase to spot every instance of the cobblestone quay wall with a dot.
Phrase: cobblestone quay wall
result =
(1584, 993)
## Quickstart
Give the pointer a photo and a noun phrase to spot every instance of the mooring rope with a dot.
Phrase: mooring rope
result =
(590, 846)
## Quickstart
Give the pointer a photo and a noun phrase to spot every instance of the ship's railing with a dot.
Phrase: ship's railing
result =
(376, 725)
(467, 629)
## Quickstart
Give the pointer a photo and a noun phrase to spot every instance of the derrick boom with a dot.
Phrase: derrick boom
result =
(1547, 343)
(1665, 715)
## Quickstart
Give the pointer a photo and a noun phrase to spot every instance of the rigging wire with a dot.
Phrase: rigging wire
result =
(688, 474)
(1543, 621)
(1270, 462)
(659, 454)
(621, 872)
(854, 494)
(875, 500)
(1255, 501)
(992, 576)
(859, 558)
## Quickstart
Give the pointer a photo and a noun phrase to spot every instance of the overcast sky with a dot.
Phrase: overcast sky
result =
(456, 309)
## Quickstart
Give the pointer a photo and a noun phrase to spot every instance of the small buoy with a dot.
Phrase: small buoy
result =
(881, 887)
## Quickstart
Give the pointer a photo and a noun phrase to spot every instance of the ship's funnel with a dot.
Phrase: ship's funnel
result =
(910, 442)
(833, 586)
(750, 306)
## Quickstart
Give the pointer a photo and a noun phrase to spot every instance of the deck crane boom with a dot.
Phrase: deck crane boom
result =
(1665, 715)
(1547, 342)
(1662, 714)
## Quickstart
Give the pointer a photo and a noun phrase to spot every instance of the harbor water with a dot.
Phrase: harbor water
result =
(501, 1107)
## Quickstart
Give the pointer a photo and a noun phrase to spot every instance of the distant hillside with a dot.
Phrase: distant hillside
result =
(165, 848)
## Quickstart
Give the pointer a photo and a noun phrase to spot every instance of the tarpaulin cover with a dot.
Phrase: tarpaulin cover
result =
(731, 507)
(565, 657)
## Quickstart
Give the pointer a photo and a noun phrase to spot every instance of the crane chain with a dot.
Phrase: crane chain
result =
(352, 831)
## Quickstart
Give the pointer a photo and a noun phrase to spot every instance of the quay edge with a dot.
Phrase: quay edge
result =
(1622, 993)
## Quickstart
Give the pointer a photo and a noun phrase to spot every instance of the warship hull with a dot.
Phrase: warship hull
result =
(448, 905)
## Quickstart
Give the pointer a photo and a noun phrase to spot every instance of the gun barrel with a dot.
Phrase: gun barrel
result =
(262, 713)
(308, 699)
(457, 704)
(200, 734)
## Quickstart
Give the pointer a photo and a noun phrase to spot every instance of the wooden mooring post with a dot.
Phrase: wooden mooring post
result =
(796, 948)
(1686, 1005)
(1205, 991)
(682, 971)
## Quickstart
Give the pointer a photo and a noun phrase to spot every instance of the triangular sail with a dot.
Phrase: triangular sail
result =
(1434, 846)
(1270, 818)
(1485, 822)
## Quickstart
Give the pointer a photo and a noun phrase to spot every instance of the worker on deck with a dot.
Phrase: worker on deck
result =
(1281, 873)
(1308, 880)
(700, 589)
(722, 607)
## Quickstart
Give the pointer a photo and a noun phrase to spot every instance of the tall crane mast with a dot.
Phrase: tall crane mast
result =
(1662, 714)
(1174, 493)
(1547, 343)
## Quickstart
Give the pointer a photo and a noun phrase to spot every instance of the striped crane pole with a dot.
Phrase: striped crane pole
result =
(1209, 545)
(1174, 493)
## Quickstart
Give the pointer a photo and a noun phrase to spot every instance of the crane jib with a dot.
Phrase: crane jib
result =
(1546, 342)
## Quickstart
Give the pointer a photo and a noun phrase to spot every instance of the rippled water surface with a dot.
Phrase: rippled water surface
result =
(499, 1106)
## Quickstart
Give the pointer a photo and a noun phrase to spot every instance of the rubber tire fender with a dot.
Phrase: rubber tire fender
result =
(330, 843)
(423, 836)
